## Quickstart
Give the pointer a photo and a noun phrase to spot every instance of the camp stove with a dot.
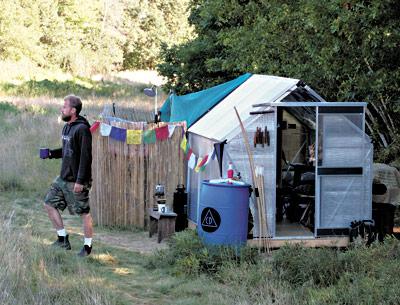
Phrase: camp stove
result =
(159, 196)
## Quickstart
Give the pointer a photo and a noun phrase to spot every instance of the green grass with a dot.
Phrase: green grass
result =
(293, 275)
(24, 79)
(24, 129)
(115, 275)
(60, 88)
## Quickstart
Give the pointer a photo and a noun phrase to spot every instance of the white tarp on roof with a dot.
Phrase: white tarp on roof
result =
(221, 122)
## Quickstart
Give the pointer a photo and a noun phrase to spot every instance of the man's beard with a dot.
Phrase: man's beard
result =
(66, 118)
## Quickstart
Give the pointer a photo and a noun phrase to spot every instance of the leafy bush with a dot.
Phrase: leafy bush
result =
(298, 266)
(360, 270)
(368, 277)
(186, 254)
(6, 107)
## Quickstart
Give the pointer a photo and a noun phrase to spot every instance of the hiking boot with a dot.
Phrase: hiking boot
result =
(62, 242)
(85, 251)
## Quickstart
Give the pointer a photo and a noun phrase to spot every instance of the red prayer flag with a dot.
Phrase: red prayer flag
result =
(95, 126)
(162, 133)
(189, 154)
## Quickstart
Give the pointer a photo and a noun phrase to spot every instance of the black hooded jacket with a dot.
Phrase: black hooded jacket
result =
(76, 152)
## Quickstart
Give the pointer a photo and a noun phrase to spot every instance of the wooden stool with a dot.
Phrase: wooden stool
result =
(162, 223)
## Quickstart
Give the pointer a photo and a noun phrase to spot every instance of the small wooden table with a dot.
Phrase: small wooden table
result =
(162, 223)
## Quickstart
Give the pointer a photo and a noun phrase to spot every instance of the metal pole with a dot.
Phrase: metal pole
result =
(317, 203)
(155, 103)
(156, 118)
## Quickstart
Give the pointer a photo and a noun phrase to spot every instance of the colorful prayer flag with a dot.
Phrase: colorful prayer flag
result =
(134, 136)
(149, 136)
(105, 129)
(171, 129)
(213, 154)
(203, 161)
(95, 126)
(208, 159)
(197, 168)
(183, 131)
(192, 161)
(162, 133)
(118, 134)
(189, 154)
(201, 164)
(219, 151)
(184, 144)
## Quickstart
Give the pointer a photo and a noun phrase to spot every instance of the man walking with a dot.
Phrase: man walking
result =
(71, 188)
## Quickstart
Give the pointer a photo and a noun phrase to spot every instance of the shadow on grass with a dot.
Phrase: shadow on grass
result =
(80, 86)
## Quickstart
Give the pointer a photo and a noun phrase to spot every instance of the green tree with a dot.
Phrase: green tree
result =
(347, 51)
(148, 24)
(86, 37)
(91, 43)
(19, 30)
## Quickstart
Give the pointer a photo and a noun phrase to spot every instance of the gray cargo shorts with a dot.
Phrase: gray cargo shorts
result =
(61, 195)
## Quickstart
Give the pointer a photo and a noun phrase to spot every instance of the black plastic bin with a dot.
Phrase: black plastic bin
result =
(383, 215)
(180, 208)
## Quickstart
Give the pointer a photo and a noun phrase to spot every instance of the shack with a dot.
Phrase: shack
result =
(315, 157)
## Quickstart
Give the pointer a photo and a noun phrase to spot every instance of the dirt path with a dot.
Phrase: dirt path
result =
(132, 240)
(135, 240)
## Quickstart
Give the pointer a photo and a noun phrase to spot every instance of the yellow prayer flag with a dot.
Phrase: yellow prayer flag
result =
(134, 136)
(184, 144)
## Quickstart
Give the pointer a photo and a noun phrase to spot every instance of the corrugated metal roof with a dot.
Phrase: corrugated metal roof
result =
(221, 122)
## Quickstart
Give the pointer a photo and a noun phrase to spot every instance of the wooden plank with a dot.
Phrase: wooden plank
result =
(334, 242)
(125, 183)
(338, 242)
(134, 190)
(107, 188)
(145, 174)
(93, 200)
(140, 185)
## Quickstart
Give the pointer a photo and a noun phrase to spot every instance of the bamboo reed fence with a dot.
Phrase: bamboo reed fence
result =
(125, 176)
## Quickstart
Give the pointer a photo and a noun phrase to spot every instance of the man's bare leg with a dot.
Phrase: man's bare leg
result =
(55, 217)
(57, 222)
(87, 225)
(88, 232)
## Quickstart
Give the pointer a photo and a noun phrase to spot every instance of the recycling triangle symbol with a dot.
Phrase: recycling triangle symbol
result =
(209, 221)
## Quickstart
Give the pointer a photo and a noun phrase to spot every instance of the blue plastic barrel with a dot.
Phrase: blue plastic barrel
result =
(223, 213)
